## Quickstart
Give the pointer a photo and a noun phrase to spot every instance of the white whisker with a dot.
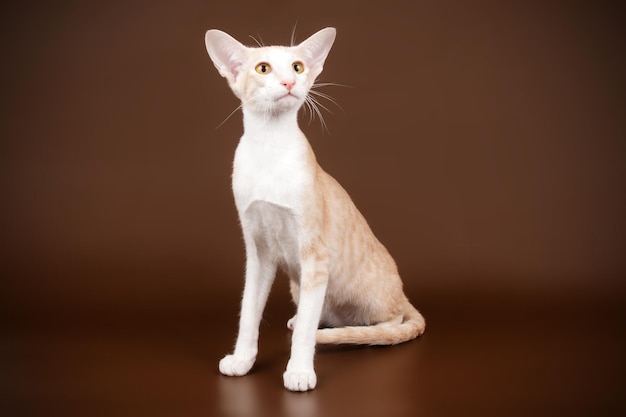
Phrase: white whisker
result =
(330, 84)
(251, 99)
(257, 42)
(308, 109)
(313, 103)
(327, 97)
(229, 116)
(317, 102)
(293, 34)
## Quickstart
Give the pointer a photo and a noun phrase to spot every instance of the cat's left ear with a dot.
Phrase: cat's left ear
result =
(226, 52)
(316, 48)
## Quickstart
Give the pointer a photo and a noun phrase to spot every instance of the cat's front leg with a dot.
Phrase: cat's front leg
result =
(300, 374)
(260, 272)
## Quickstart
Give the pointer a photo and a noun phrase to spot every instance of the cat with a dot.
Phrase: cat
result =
(297, 217)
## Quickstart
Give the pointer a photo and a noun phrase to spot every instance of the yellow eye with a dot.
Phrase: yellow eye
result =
(263, 68)
(298, 67)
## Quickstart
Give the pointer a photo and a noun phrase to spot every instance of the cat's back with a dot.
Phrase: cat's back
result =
(350, 237)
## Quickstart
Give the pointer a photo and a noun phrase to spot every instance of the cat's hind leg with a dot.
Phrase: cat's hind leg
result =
(294, 289)
(291, 323)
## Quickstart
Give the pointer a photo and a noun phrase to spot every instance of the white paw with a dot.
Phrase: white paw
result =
(291, 323)
(300, 380)
(234, 366)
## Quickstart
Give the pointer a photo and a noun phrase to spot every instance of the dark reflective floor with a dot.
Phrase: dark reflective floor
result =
(481, 356)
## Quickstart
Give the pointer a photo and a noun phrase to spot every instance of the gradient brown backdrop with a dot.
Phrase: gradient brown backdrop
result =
(483, 141)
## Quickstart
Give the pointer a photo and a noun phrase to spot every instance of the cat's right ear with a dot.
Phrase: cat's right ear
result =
(227, 54)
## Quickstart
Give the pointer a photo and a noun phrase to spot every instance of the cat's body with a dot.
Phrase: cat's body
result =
(297, 217)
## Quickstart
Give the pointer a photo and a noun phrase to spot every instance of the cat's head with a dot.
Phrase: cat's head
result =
(270, 79)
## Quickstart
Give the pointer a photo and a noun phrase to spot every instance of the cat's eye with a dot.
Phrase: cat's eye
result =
(263, 68)
(298, 67)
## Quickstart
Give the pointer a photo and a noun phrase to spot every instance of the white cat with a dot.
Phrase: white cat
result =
(297, 217)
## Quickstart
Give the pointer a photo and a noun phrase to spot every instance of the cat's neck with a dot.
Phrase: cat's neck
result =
(261, 126)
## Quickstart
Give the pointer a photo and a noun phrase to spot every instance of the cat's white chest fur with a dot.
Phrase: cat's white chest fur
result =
(271, 175)
(271, 168)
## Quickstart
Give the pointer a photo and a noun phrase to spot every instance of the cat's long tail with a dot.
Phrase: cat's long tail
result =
(412, 325)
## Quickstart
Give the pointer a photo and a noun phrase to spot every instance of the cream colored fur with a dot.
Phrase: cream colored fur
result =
(297, 217)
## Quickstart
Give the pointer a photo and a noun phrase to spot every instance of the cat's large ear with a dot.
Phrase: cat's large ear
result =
(316, 48)
(226, 52)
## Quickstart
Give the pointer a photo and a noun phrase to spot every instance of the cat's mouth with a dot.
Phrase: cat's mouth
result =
(287, 96)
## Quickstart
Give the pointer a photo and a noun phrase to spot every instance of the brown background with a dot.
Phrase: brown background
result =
(484, 142)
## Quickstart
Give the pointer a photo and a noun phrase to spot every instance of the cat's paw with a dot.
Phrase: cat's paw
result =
(235, 366)
(291, 323)
(300, 380)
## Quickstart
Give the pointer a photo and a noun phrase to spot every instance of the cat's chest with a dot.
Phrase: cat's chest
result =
(276, 172)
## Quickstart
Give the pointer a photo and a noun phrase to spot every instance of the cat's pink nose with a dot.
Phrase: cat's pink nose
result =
(288, 84)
